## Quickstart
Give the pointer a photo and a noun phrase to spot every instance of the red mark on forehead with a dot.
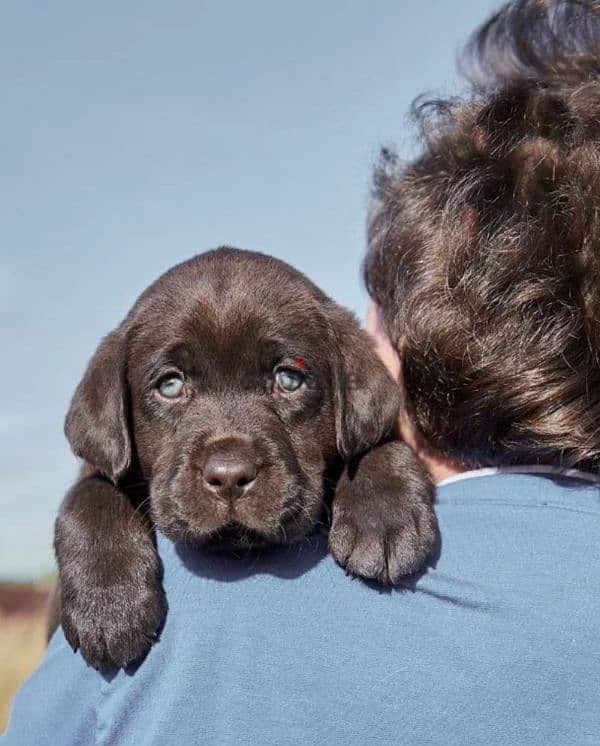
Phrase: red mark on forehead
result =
(299, 363)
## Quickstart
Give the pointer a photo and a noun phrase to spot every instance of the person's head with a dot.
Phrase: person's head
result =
(484, 251)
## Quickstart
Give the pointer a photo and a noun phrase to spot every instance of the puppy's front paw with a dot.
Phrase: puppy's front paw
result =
(383, 546)
(383, 522)
(112, 625)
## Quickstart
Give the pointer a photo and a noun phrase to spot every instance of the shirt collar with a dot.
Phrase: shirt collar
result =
(522, 469)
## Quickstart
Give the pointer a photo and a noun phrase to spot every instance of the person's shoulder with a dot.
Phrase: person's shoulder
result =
(57, 703)
(536, 487)
(465, 643)
(519, 524)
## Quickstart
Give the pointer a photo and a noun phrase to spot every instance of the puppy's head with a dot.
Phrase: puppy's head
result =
(232, 384)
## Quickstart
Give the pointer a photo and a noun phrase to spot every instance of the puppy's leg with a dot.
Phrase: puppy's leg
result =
(111, 595)
(53, 612)
(383, 522)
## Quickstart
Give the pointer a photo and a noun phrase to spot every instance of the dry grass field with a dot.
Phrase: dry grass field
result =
(22, 637)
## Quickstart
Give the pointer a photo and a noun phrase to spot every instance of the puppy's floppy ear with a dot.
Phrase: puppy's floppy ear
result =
(96, 423)
(366, 398)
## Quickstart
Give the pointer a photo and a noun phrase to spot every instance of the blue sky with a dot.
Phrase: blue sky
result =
(136, 134)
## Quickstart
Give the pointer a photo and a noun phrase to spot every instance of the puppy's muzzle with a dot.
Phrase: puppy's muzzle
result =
(229, 467)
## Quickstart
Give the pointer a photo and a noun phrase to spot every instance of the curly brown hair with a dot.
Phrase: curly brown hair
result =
(484, 252)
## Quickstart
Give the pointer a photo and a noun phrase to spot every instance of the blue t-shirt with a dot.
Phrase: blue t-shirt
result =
(499, 644)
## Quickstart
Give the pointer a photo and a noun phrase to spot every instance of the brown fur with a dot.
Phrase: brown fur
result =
(235, 461)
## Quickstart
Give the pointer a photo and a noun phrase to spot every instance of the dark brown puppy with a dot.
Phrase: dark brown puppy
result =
(224, 405)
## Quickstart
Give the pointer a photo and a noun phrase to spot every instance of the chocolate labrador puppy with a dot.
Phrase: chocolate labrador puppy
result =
(230, 409)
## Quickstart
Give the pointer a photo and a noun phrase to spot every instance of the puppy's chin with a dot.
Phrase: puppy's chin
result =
(230, 537)
(234, 537)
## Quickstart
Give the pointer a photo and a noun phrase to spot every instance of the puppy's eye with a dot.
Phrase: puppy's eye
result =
(289, 379)
(171, 386)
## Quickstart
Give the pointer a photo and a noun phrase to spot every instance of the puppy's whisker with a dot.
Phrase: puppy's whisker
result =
(283, 531)
(311, 518)
(139, 508)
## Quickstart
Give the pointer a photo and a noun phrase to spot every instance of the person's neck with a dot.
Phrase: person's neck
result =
(439, 467)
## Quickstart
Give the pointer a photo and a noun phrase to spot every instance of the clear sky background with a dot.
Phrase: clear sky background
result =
(136, 134)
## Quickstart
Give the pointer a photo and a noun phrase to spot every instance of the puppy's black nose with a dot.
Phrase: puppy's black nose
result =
(229, 472)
